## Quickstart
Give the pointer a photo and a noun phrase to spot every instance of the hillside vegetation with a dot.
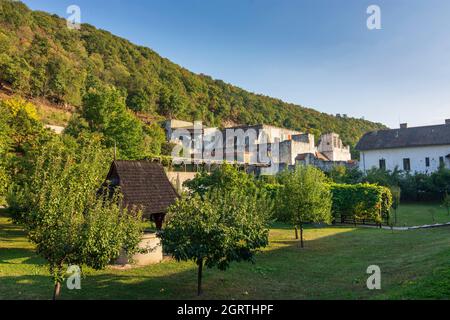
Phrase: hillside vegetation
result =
(41, 58)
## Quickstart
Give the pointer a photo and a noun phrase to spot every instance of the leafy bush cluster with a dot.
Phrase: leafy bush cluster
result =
(226, 178)
(361, 202)
(41, 57)
(306, 195)
(413, 187)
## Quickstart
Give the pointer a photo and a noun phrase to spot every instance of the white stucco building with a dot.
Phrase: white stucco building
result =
(418, 149)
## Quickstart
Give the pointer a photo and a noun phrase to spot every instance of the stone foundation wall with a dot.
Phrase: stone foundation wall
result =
(152, 244)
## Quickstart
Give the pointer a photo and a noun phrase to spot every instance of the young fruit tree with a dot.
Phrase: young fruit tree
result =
(216, 229)
(306, 197)
(396, 195)
(65, 215)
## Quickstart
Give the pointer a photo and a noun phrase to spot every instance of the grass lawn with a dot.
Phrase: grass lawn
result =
(414, 264)
(416, 214)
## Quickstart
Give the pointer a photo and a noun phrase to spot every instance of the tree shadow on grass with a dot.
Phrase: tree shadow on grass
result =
(11, 231)
(105, 286)
(330, 267)
(29, 256)
(278, 273)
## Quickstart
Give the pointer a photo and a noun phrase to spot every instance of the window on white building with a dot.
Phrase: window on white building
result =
(407, 164)
(441, 161)
(382, 164)
(427, 162)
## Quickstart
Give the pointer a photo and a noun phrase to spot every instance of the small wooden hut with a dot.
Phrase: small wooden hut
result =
(143, 184)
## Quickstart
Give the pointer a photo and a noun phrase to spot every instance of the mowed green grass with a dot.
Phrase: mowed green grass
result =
(417, 214)
(332, 266)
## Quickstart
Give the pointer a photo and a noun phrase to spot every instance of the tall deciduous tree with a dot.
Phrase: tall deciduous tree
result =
(105, 111)
(306, 197)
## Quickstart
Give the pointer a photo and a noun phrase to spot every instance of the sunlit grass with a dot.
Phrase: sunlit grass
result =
(332, 266)
(416, 214)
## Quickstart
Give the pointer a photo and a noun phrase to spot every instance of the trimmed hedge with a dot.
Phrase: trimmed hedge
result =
(361, 202)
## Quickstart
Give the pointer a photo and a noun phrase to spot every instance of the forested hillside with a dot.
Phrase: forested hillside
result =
(41, 57)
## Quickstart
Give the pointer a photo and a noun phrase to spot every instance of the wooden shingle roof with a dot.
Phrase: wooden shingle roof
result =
(143, 184)
(405, 137)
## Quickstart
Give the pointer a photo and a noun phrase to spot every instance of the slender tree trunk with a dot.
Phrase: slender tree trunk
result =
(57, 291)
(58, 276)
(301, 236)
(199, 280)
(296, 233)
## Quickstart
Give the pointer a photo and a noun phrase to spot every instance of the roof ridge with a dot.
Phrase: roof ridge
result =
(405, 137)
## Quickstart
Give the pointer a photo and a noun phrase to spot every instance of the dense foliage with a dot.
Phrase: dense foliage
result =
(305, 197)
(225, 177)
(396, 193)
(5, 145)
(63, 213)
(20, 133)
(51, 186)
(361, 202)
(413, 186)
(41, 57)
(104, 111)
(226, 223)
(446, 202)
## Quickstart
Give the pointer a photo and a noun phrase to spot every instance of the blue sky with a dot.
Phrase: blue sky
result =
(317, 53)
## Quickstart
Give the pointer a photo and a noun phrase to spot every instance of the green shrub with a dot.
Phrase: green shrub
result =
(414, 186)
(361, 201)
(305, 198)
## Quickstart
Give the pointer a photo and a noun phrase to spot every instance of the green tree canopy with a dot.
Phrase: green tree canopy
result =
(104, 111)
(63, 213)
(20, 122)
(306, 197)
(216, 230)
